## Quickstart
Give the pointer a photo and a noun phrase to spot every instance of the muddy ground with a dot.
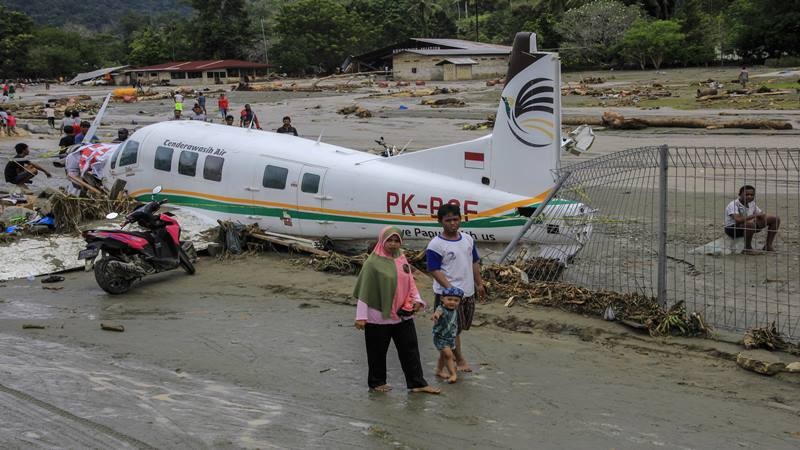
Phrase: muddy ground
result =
(261, 353)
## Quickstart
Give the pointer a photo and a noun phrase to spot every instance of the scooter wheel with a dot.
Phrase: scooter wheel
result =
(186, 263)
(108, 282)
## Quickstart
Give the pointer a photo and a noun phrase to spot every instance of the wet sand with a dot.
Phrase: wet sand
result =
(261, 353)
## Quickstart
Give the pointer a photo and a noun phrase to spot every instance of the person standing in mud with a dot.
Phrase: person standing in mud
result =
(453, 261)
(248, 118)
(223, 105)
(384, 289)
(744, 77)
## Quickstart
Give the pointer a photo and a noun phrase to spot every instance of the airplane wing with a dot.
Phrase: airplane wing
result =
(96, 124)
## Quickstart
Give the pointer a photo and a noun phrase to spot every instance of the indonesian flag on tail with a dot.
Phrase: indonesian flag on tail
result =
(473, 160)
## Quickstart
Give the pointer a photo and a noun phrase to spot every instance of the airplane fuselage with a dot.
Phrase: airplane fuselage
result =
(301, 187)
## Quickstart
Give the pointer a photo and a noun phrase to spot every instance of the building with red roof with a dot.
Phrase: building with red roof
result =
(197, 72)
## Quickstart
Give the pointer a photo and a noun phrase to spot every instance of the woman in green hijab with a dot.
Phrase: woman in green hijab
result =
(387, 300)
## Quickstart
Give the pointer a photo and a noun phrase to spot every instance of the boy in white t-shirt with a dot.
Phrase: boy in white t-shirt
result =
(744, 218)
(453, 261)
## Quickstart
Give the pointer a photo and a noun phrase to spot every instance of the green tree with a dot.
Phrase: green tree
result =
(315, 33)
(591, 31)
(221, 29)
(16, 35)
(148, 47)
(701, 30)
(655, 41)
(53, 53)
(763, 28)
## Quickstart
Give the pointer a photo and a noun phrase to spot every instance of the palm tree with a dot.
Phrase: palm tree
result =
(425, 10)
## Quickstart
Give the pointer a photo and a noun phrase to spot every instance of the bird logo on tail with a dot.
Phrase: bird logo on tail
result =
(531, 113)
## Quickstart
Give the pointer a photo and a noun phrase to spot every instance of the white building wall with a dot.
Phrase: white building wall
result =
(405, 63)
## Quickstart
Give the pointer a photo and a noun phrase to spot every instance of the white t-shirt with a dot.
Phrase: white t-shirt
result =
(72, 163)
(49, 112)
(456, 258)
(736, 207)
(178, 98)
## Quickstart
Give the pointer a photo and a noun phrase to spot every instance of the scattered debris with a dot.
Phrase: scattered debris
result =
(417, 92)
(766, 337)
(651, 92)
(449, 102)
(53, 279)
(705, 92)
(355, 109)
(81, 103)
(70, 212)
(112, 327)
(598, 80)
(617, 121)
(760, 367)
(486, 125)
(635, 309)
(340, 264)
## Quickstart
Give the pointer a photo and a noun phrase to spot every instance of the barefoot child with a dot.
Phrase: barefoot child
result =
(444, 333)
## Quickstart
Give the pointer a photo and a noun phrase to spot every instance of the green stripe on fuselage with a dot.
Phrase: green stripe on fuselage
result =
(507, 220)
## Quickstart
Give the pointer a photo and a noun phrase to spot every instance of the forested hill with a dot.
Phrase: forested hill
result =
(94, 14)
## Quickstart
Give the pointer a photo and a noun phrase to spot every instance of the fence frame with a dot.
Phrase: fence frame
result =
(650, 169)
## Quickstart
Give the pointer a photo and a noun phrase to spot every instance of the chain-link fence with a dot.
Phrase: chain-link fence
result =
(657, 229)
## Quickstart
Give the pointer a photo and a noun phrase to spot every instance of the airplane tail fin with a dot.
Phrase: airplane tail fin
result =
(525, 146)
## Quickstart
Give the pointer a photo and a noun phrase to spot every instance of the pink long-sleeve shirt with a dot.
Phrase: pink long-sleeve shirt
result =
(374, 316)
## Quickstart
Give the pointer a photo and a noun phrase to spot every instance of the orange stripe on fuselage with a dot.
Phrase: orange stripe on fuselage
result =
(487, 213)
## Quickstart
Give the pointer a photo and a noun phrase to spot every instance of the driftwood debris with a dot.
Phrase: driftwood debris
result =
(358, 110)
(443, 102)
(85, 185)
(617, 121)
(758, 366)
(289, 243)
(112, 327)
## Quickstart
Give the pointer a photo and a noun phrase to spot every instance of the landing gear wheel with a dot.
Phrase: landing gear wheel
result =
(108, 282)
(185, 263)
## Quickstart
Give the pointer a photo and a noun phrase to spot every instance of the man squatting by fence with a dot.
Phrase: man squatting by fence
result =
(744, 218)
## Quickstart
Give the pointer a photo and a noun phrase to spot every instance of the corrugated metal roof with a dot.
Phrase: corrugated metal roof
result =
(457, 61)
(94, 74)
(180, 66)
(456, 52)
(462, 44)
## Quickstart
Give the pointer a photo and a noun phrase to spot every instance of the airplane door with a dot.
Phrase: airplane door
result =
(311, 201)
(273, 191)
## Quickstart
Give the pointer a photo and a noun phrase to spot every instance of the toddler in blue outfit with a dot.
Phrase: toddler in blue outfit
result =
(445, 330)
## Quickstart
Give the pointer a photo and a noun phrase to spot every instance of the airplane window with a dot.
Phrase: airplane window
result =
(129, 154)
(163, 159)
(115, 155)
(187, 163)
(310, 183)
(275, 177)
(212, 169)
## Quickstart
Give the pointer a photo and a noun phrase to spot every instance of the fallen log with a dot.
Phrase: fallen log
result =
(582, 120)
(706, 92)
(713, 97)
(617, 121)
(86, 185)
(290, 243)
(757, 124)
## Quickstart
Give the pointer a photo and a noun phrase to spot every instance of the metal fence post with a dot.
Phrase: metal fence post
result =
(663, 161)
(513, 244)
